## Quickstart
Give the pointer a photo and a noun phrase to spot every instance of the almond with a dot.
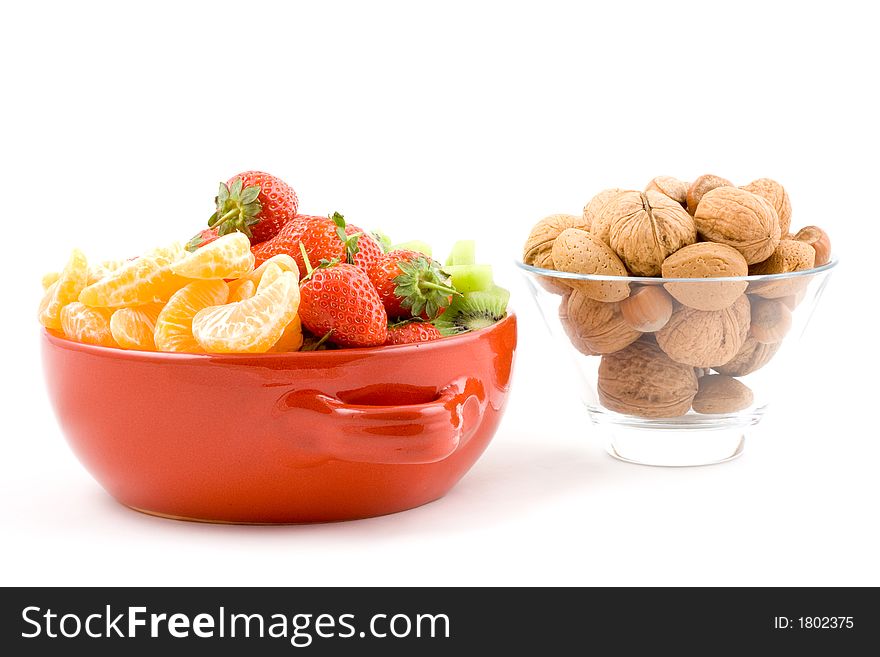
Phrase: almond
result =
(539, 244)
(718, 393)
(706, 260)
(578, 252)
(788, 256)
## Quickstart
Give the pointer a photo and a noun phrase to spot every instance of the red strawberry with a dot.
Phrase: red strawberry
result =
(201, 238)
(340, 300)
(254, 203)
(323, 240)
(411, 284)
(368, 250)
(410, 332)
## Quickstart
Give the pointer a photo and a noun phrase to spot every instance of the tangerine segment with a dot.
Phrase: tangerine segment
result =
(273, 273)
(84, 324)
(250, 326)
(50, 278)
(147, 279)
(174, 326)
(102, 269)
(65, 290)
(246, 290)
(133, 328)
(226, 257)
(281, 260)
(291, 339)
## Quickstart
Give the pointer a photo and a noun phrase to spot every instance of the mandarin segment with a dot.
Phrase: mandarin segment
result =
(228, 256)
(174, 326)
(291, 339)
(66, 289)
(245, 290)
(49, 278)
(250, 326)
(133, 328)
(147, 279)
(102, 269)
(89, 325)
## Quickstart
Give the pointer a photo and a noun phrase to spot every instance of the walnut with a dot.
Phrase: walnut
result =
(705, 338)
(595, 205)
(536, 251)
(597, 325)
(570, 329)
(644, 228)
(642, 380)
(577, 251)
(740, 219)
(775, 194)
(751, 357)
(788, 256)
(700, 186)
(706, 260)
(771, 320)
(672, 187)
(721, 394)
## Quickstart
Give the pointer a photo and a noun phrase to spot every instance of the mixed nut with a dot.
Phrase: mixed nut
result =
(672, 346)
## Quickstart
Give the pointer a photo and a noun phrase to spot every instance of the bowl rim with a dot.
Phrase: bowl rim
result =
(58, 339)
(659, 280)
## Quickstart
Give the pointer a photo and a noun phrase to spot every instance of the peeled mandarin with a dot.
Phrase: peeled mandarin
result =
(250, 326)
(84, 324)
(147, 279)
(65, 290)
(226, 257)
(133, 328)
(273, 273)
(102, 269)
(245, 290)
(174, 326)
(50, 278)
(291, 339)
(281, 260)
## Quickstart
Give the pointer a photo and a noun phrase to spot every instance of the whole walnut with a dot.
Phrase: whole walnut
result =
(751, 357)
(788, 256)
(703, 184)
(705, 338)
(597, 325)
(672, 187)
(706, 260)
(641, 380)
(570, 329)
(775, 194)
(539, 244)
(595, 205)
(733, 216)
(578, 252)
(644, 228)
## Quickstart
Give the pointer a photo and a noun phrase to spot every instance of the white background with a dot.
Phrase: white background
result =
(456, 120)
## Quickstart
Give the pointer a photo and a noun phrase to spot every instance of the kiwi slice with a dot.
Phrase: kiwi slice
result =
(464, 252)
(383, 240)
(414, 245)
(474, 311)
(470, 278)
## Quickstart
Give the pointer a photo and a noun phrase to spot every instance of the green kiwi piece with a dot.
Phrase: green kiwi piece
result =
(470, 278)
(464, 252)
(383, 240)
(414, 245)
(474, 311)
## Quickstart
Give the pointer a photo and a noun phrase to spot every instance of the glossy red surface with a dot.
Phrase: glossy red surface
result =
(281, 438)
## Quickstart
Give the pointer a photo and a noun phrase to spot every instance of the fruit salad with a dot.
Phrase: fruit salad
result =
(262, 277)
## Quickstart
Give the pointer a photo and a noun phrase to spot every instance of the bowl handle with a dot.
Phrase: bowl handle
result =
(399, 434)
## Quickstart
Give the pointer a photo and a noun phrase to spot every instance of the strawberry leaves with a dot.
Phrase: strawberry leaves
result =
(238, 208)
(350, 241)
(423, 287)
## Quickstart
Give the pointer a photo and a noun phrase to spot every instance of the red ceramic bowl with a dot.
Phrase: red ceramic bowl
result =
(281, 438)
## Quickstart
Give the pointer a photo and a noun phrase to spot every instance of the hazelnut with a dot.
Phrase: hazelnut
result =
(595, 205)
(733, 216)
(597, 325)
(644, 228)
(718, 393)
(672, 187)
(706, 260)
(770, 321)
(705, 338)
(700, 186)
(751, 357)
(818, 239)
(577, 251)
(641, 380)
(775, 194)
(647, 309)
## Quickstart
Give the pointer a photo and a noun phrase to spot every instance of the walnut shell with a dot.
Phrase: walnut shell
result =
(645, 227)
(595, 205)
(700, 186)
(706, 260)
(788, 256)
(539, 244)
(641, 380)
(570, 329)
(672, 187)
(819, 240)
(740, 219)
(751, 357)
(718, 393)
(776, 195)
(771, 320)
(705, 338)
(577, 251)
(597, 325)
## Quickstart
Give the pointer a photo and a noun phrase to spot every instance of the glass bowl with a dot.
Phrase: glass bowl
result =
(676, 371)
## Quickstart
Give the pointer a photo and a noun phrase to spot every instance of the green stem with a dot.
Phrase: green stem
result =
(305, 255)
(436, 286)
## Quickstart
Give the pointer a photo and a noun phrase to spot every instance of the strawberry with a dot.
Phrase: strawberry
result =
(411, 284)
(254, 203)
(338, 298)
(202, 238)
(409, 332)
(368, 251)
